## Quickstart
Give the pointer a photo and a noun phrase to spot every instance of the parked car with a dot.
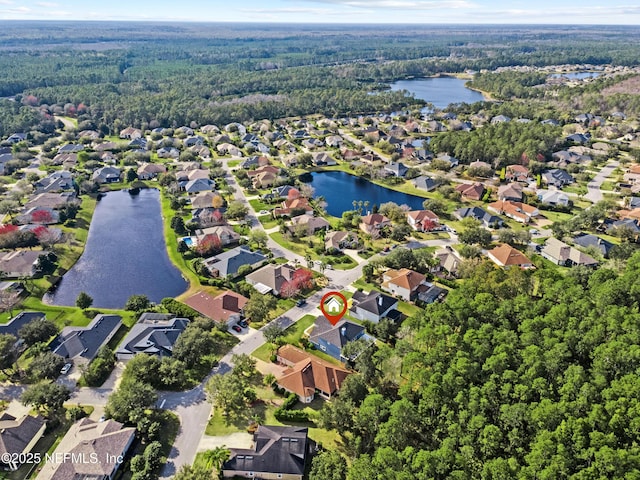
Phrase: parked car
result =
(66, 368)
(236, 328)
(243, 323)
(263, 212)
(301, 302)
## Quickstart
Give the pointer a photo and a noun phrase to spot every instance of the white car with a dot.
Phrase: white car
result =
(66, 368)
(263, 212)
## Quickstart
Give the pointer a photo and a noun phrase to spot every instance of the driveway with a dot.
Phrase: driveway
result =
(594, 193)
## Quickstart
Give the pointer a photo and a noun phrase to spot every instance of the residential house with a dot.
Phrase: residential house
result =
(13, 326)
(397, 169)
(263, 180)
(16, 138)
(580, 138)
(430, 293)
(507, 256)
(193, 141)
(168, 152)
(552, 197)
(563, 158)
(277, 453)
(478, 213)
(423, 220)
(71, 148)
(517, 173)
(199, 185)
(403, 283)
(590, 240)
(331, 339)
(565, 255)
(425, 183)
(147, 171)
(340, 240)
(138, 144)
(226, 234)
(266, 169)
(271, 278)
(227, 307)
(54, 201)
(81, 344)
(203, 199)
(283, 191)
(20, 263)
(293, 207)
(500, 119)
(313, 224)
(612, 227)
(511, 191)
(254, 161)
(107, 441)
(374, 223)
(558, 178)
(453, 162)
(373, 306)
(153, 334)
(18, 436)
(106, 174)
(334, 141)
(520, 212)
(228, 263)
(38, 215)
(190, 174)
(322, 158)
(473, 191)
(308, 374)
(130, 133)
(202, 151)
(312, 143)
(448, 260)
(58, 181)
(67, 159)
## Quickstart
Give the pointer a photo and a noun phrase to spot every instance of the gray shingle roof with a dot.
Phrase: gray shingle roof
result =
(153, 335)
(86, 341)
(17, 322)
(343, 332)
(16, 434)
(229, 262)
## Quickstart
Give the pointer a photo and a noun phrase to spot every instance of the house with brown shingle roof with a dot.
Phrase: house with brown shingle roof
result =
(403, 283)
(375, 221)
(291, 206)
(520, 212)
(511, 191)
(565, 255)
(516, 173)
(473, 191)
(224, 308)
(423, 220)
(308, 374)
(107, 441)
(507, 256)
(271, 278)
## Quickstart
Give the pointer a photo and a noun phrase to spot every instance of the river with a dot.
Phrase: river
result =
(125, 254)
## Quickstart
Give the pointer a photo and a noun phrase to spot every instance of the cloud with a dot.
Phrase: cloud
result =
(6, 2)
(47, 4)
(273, 12)
(560, 14)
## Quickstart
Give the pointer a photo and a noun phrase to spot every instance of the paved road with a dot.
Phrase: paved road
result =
(594, 193)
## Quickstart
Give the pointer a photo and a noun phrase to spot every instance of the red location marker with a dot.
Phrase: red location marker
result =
(333, 306)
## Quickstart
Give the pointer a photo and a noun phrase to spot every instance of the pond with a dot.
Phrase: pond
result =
(576, 75)
(125, 255)
(440, 91)
(340, 190)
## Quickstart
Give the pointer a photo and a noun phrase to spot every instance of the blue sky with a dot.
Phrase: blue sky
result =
(622, 12)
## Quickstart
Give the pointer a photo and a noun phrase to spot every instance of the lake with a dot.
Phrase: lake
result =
(340, 190)
(125, 255)
(440, 91)
(576, 75)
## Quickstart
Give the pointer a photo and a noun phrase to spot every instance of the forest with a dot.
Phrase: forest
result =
(129, 74)
(519, 374)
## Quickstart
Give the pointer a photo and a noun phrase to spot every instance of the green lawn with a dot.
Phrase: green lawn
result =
(292, 335)
(302, 247)
(268, 221)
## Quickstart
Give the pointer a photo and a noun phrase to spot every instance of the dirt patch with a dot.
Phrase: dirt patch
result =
(630, 86)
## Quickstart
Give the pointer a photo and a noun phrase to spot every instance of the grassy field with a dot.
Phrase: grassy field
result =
(306, 247)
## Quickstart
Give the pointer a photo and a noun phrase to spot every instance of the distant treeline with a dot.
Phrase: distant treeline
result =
(135, 74)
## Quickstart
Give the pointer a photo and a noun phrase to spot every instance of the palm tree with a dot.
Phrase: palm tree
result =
(309, 260)
(355, 204)
(213, 459)
(323, 267)
(366, 205)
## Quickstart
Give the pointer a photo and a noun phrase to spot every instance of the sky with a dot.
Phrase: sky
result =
(613, 12)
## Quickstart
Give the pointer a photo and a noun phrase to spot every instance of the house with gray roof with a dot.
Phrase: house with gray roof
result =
(58, 181)
(106, 441)
(373, 306)
(277, 452)
(13, 326)
(228, 263)
(153, 334)
(487, 219)
(71, 148)
(199, 185)
(397, 169)
(426, 183)
(565, 255)
(552, 197)
(557, 177)
(81, 344)
(590, 240)
(18, 436)
(331, 339)
(106, 174)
